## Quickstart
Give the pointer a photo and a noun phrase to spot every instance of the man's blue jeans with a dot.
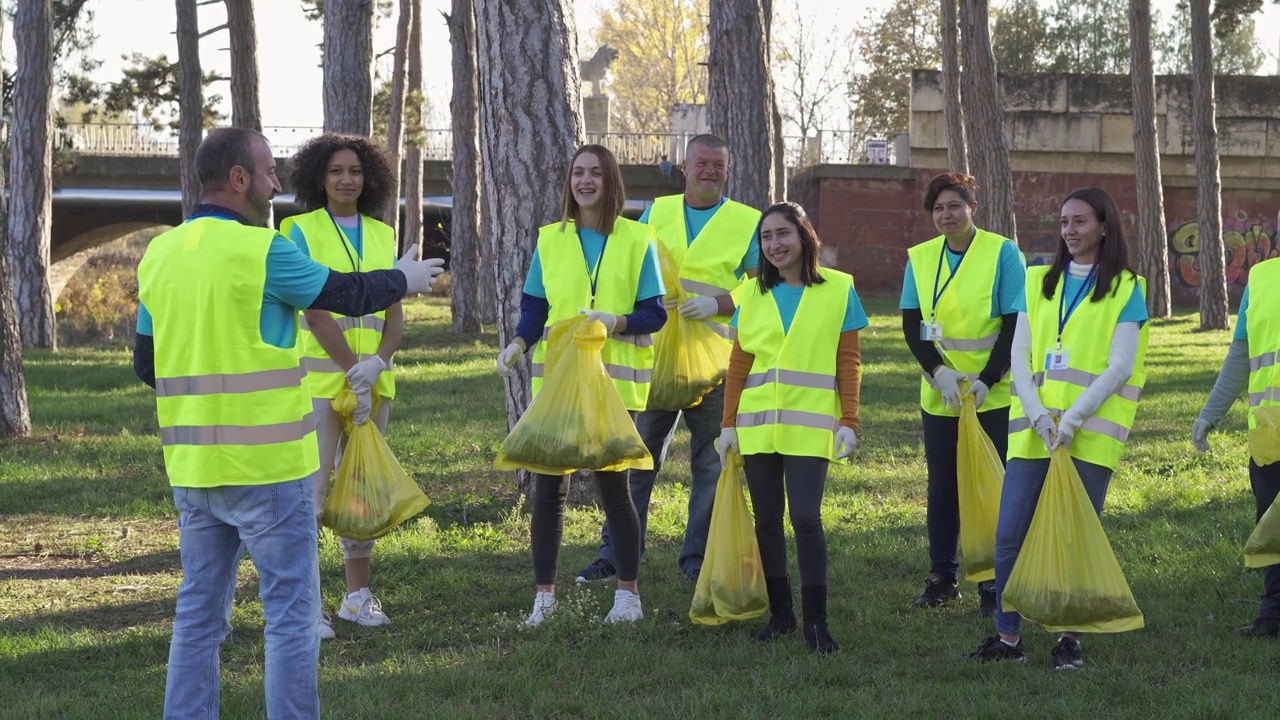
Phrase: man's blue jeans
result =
(656, 428)
(1023, 480)
(277, 524)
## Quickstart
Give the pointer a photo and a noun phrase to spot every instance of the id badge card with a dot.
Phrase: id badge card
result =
(1055, 360)
(931, 331)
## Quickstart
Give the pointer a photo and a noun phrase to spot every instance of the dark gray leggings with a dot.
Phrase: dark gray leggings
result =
(547, 524)
(805, 481)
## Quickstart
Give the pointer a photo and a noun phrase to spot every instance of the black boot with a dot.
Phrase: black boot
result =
(813, 599)
(782, 617)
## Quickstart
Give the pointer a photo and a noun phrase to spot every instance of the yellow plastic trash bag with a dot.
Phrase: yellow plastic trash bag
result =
(577, 421)
(731, 584)
(980, 475)
(689, 358)
(372, 493)
(1066, 578)
(1264, 438)
(1263, 546)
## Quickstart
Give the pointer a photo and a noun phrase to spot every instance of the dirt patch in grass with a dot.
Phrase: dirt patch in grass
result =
(24, 566)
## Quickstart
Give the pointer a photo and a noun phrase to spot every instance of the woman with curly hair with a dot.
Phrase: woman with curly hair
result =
(343, 182)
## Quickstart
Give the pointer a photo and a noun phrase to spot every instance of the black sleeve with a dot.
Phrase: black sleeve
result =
(144, 358)
(356, 294)
(925, 351)
(1002, 354)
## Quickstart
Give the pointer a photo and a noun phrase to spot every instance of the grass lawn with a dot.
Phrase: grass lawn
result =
(89, 568)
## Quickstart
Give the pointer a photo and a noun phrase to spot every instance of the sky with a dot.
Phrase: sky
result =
(289, 53)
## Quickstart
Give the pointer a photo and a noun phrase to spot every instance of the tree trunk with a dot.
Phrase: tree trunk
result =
(348, 66)
(530, 125)
(779, 146)
(1153, 252)
(30, 205)
(1214, 313)
(953, 112)
(246, 103)
(190, 101)
(413, 151)
(465, 257)
(740, 104)
(988, 147)
(15, 417)
(395, 123)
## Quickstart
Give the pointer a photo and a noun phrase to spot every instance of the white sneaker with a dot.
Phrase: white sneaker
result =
(326, 627)
(626, 608)
(544, 605)
(363, 608)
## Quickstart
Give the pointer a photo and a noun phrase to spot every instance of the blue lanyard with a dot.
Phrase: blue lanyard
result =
(342, 238)
(594, 278)
(1075, 301)
(688, 225)
(942, 260)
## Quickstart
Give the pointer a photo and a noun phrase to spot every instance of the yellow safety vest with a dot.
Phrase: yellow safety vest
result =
(964, 311)
(233, 410)
(1262, 322)
(707, 265)
(790, 403)
(627, 358)
(329, 247)
(1087, 341)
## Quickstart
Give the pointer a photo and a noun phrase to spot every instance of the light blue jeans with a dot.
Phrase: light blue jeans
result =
(1023, 480)
(277, 524)
(656, 428)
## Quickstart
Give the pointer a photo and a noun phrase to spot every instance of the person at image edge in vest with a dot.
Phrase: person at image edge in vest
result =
(216, 333)
(713, 239)
(594, 261)
(791, 405)
(1253, 364)
(343, 181)
(958, 318)
(1078, 357)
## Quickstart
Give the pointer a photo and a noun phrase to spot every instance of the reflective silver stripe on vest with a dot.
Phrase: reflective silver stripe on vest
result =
(367, 322)
(218, 384)
(537, 369)
(327, 365)
(640, 341)
(1271, 394)
(1019, 424)
(722, 330)
(798, 418)
(627, 374)
(797, 378)
(238, 434)
(959, 345)
(702, 288)
(1097, 425)
(1083, 379)
(1264, 360)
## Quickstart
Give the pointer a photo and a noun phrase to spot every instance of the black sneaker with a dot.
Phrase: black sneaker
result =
(987, 598)
(1067, 654)
(993, 648)
(599, 569)
(1261, 628)
(937, 592)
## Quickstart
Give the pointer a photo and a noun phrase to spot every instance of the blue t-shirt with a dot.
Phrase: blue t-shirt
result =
(1007, 297)
(293, 282)
(1242, 332)
(1135, 310)
(696, 219)
(593, 244)
(787, 298)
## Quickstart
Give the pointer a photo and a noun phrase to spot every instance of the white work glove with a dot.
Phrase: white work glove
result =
(846, 441)
(946, 380)
(363, 375)
(1067, 427)
(1200, 434)
(419, 274)
(700, 307)
(728, 439)
(508, 357)
(670, 302)
(364, 406)
(1045, 428)
(610, 321)
(978, 390)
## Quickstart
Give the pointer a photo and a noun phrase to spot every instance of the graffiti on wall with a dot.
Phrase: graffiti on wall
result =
(1245, 242)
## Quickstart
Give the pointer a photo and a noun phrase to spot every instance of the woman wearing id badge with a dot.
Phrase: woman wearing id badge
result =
(597, 262)
(961, 296)
(1078, 373)
(791, 406)
(344, 181)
